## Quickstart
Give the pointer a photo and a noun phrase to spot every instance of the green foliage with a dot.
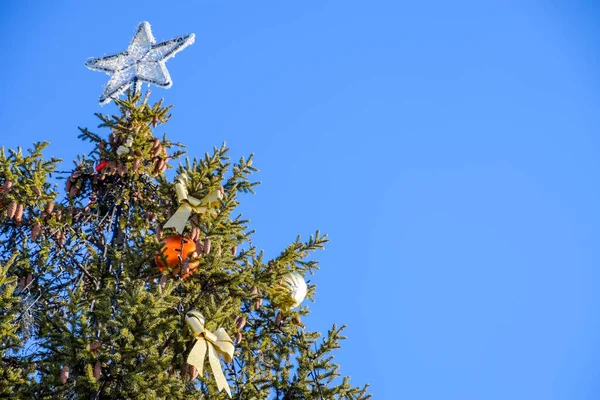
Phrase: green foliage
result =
(103, 309)
(13, 368)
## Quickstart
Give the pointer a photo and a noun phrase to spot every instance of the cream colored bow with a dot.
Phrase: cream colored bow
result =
(190, 203)
(217, 344)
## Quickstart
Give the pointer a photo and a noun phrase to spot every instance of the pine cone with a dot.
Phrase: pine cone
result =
(64, 374)
(162, 281)
(154, 121)
(22, 283)
(36, 230)
(278, 318)
(194, 234)
(97, 370)
(192, 372)
(73, 191)
(298, 320)
(7, 185)
(36, 190)
(19, 214)
(163, 167)
(11, 209)
(206, 247)
(49, 207)
(238, 337)
(62, 239)
(234, 250)
(240, 322)
(95, 346)
(160, 165)
(136, 165)
(69, 184)
(58, 214)
(185, 268)
(258, 304)
(156, 151)
(254, 290)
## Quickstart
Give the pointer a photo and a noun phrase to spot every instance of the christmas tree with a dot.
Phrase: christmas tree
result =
(132, 285)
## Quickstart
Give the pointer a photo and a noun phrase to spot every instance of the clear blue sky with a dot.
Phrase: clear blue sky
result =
(449, 148)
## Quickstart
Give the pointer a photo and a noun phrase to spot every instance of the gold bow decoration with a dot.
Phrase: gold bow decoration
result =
(189, 203)
(218, 344)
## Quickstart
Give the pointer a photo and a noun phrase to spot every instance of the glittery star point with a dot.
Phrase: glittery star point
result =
(144, 60)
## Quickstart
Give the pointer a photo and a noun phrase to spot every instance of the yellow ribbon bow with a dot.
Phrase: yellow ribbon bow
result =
(190, 203)
(217, 344)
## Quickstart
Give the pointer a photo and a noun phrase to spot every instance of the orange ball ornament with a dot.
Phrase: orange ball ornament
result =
(173, 248)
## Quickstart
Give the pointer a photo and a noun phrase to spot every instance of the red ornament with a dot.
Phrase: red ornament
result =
(101, 166)
(172, 250)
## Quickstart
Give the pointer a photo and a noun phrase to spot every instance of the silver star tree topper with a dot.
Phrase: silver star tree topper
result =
(144, 60)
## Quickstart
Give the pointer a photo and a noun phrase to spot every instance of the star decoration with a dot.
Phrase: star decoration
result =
(144, 60)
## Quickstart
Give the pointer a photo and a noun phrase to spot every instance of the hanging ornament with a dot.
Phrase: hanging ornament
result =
(291, 291)
(124, 149)
(189, 203)
(144, 60)
(176, 255)
(218, 345)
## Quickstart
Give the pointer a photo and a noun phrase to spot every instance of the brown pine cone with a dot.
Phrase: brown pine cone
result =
(49, 207)
(97, 370)
(254, 290)
(136, 165)
(69, 184)
(278, 318)
(154, 121)
(240, 322)
(156, 151)
(36, 230)
(162, 281)
(193, 372)
(194, 234)
(163, 167)
(95, 346)
(64, 374)
(62, 239)
(73, 191)
(160, 165)
(238, 337)
(206, 247)
(258, 304)
(58, 214)
(19, 214)
(11, 209)
(36, 190)
(7, 185)
(234, 250)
